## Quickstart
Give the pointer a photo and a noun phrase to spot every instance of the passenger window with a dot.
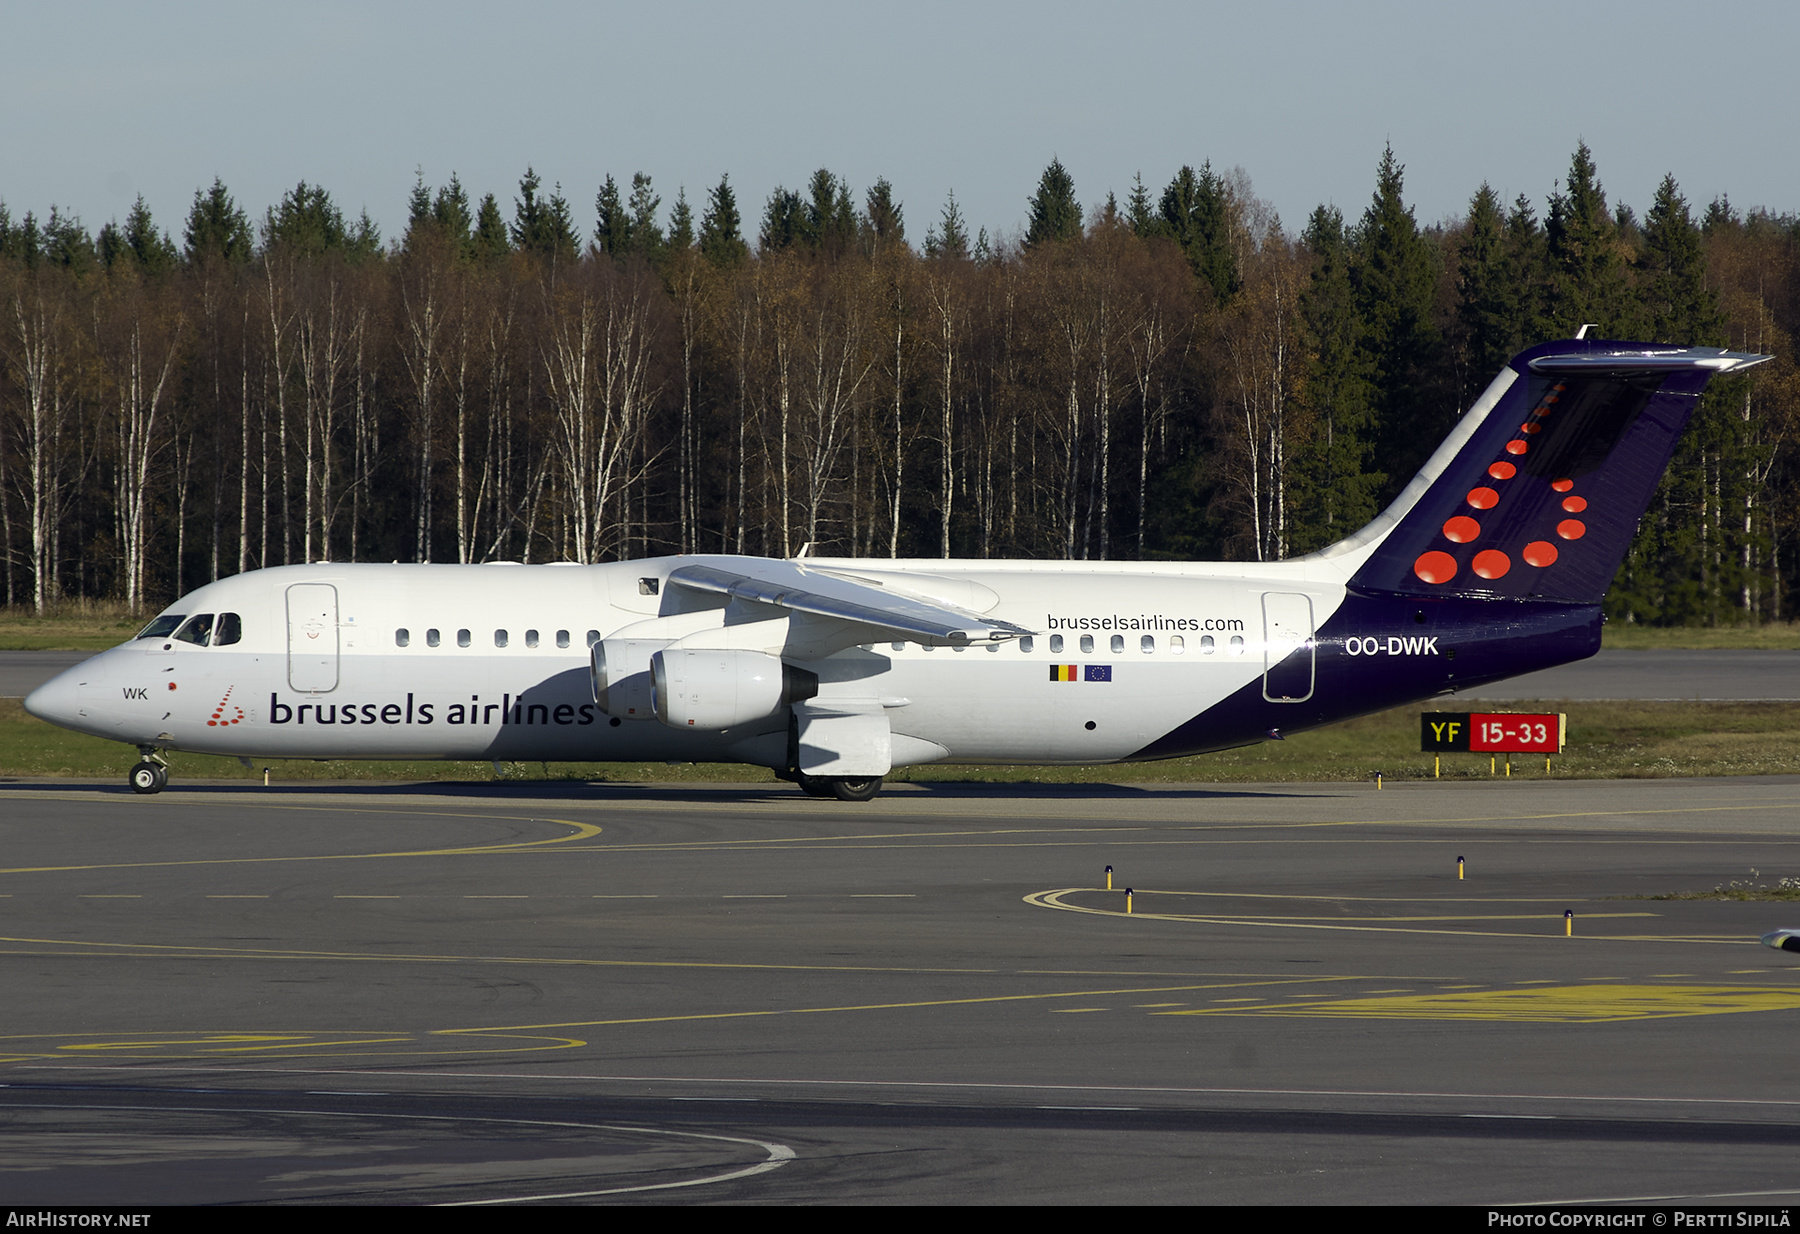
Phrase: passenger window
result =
(229, 630)
(162, 627)
(197, 631)
(562, 638)
(1025, 644)
(431, 638)
(1056, 644)
(1147, 644)
(402, 638)
(1118, 643)
(1087, 643)
(1206, 644)
(593, 636)
(1237, 644)
(499, 638)
(531, 638)
(1177, 644)
(462, 638)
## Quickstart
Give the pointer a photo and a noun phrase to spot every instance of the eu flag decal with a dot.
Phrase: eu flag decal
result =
(1099, 672)
(1063, 672)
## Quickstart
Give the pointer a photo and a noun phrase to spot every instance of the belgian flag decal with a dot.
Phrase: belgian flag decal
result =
(1065, 672)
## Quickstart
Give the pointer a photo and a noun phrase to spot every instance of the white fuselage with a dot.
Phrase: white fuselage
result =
(492, 662)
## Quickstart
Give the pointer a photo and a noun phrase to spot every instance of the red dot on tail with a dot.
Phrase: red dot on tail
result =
(1529, 427)
(1517, 447)
(1502, 470)
(1483, 498)
(1562, 486)
(1571, 529)
(1461, 529)
(1491, 563)
(1574, 505)
(1435, 567)
(1539, 553)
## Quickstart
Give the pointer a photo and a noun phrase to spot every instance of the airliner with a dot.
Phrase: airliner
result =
(833, 671)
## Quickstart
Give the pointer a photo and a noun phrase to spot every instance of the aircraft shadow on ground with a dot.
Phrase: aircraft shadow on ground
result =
(591, 792)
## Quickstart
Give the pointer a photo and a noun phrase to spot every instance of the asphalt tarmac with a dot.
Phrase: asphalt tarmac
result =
(681, 994)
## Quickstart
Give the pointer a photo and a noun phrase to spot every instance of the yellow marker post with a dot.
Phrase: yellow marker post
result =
(265, 777)
(1509, 766)
(1437, 766)
(1109, 878)
(1127, 901)
(1459, 869)
(1377, 781)
(1568, 923)
(1492, 767)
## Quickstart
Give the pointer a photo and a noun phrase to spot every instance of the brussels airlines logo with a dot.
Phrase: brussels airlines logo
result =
(225, 704)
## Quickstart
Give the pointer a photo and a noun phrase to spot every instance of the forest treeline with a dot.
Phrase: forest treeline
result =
(1174, 375)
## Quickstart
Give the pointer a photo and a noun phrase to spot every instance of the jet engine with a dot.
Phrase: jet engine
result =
(619, 669)
(720, 689)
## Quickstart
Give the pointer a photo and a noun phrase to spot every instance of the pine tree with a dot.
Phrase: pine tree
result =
(1196, 214)
(1586, 271)
(544, 227)
(784, 221)
(1394, 277)
(681, 224)
(1486, 301)
(1140, 215)
(1055, 214)
(1678, 305)
(1334, 490)
(883, 214)
(489, 242)
(720, 241)
(645, 236)
(450, 211)
(950, 238)
(612, 231)
(217, 228)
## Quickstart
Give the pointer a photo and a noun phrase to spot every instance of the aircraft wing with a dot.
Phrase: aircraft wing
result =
(790, 585)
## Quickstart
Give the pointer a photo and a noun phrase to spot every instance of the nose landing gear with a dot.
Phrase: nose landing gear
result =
(150, 775)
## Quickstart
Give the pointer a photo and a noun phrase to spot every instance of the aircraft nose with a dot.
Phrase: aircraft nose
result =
(56, 700)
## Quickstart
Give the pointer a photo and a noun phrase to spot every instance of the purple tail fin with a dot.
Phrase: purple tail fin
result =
(1538, 492)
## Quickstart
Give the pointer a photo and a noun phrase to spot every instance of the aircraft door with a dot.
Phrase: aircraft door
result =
(1287, 647)
(312, 613)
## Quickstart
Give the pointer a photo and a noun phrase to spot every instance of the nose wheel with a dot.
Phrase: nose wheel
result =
(149, 776)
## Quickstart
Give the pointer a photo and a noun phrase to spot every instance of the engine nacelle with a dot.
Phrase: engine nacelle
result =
(720, 689)
(620, 672)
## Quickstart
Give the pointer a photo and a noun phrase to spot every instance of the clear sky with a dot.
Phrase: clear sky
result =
(104, 101)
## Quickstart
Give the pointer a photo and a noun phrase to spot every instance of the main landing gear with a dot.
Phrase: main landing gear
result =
(844, 788)
(151, 775)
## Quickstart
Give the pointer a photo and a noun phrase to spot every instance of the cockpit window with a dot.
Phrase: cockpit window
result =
(163, 626)
(197, 631)
(229, 630)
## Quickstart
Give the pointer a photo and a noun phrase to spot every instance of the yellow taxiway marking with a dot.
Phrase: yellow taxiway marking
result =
(1575, 1004)
(24, 1047)
(1055, 899)
(583, 831)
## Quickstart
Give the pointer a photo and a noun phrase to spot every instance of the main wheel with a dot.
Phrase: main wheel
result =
(148, 777)
(814, 786)
(850, 788)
